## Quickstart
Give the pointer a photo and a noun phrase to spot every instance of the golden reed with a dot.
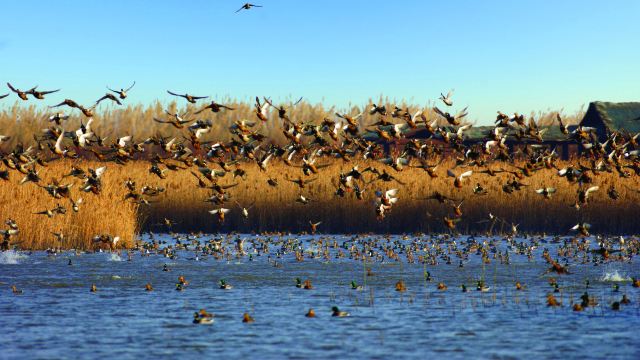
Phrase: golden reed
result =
(275, 209)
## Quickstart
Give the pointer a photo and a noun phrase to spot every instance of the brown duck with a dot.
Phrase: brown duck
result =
(21, 94)
(40, 94)
(190, 98)
(214, 107)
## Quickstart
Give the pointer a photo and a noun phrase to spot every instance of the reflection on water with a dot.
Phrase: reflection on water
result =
(57, 316)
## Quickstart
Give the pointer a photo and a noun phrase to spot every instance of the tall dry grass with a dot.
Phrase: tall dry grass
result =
(98, 214)
(23, 122)
(275, 209)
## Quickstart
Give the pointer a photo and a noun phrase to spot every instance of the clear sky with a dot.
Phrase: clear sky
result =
(497, 55)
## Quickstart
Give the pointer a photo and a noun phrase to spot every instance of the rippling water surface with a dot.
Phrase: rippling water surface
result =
(57, 316)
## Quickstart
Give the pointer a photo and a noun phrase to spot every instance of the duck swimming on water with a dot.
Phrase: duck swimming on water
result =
(224, 285)
(335, 312)
(355, 286)
(202, 317)
(246, 318)
(552, 301)
(480, 286)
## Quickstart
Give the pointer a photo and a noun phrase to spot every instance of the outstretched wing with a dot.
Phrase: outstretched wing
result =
(131, 87)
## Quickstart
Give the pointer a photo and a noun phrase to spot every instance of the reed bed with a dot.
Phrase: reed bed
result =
(22, 123)
(275, 209)
(98, 214)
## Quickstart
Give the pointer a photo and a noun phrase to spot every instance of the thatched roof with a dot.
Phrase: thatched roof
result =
(613, 116)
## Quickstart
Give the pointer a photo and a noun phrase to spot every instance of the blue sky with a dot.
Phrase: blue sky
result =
(497, 55)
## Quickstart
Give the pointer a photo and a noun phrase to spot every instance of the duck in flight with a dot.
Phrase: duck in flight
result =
(40, 94)
(21, 94)
(111, 97)
(215, 107)
(447, 99)
(88, 112)
(247, 6)
(190, 98)
(122, 93)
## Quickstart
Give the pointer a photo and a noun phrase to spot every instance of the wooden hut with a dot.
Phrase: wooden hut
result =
(607, 117)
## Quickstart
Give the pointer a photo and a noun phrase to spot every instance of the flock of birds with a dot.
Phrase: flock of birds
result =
(279, 251)
(338, 138)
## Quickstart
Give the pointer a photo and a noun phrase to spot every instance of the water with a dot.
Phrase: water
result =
(57, 316)
(11, 257)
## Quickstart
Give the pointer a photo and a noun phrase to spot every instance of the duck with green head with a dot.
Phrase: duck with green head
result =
(480, 286)
(199, 318)
(335, 311)
(355, 286)
(224, 285)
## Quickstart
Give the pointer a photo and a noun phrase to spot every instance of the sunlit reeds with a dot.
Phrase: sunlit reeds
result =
(275, 209)
(98, 214)
(23, 122)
